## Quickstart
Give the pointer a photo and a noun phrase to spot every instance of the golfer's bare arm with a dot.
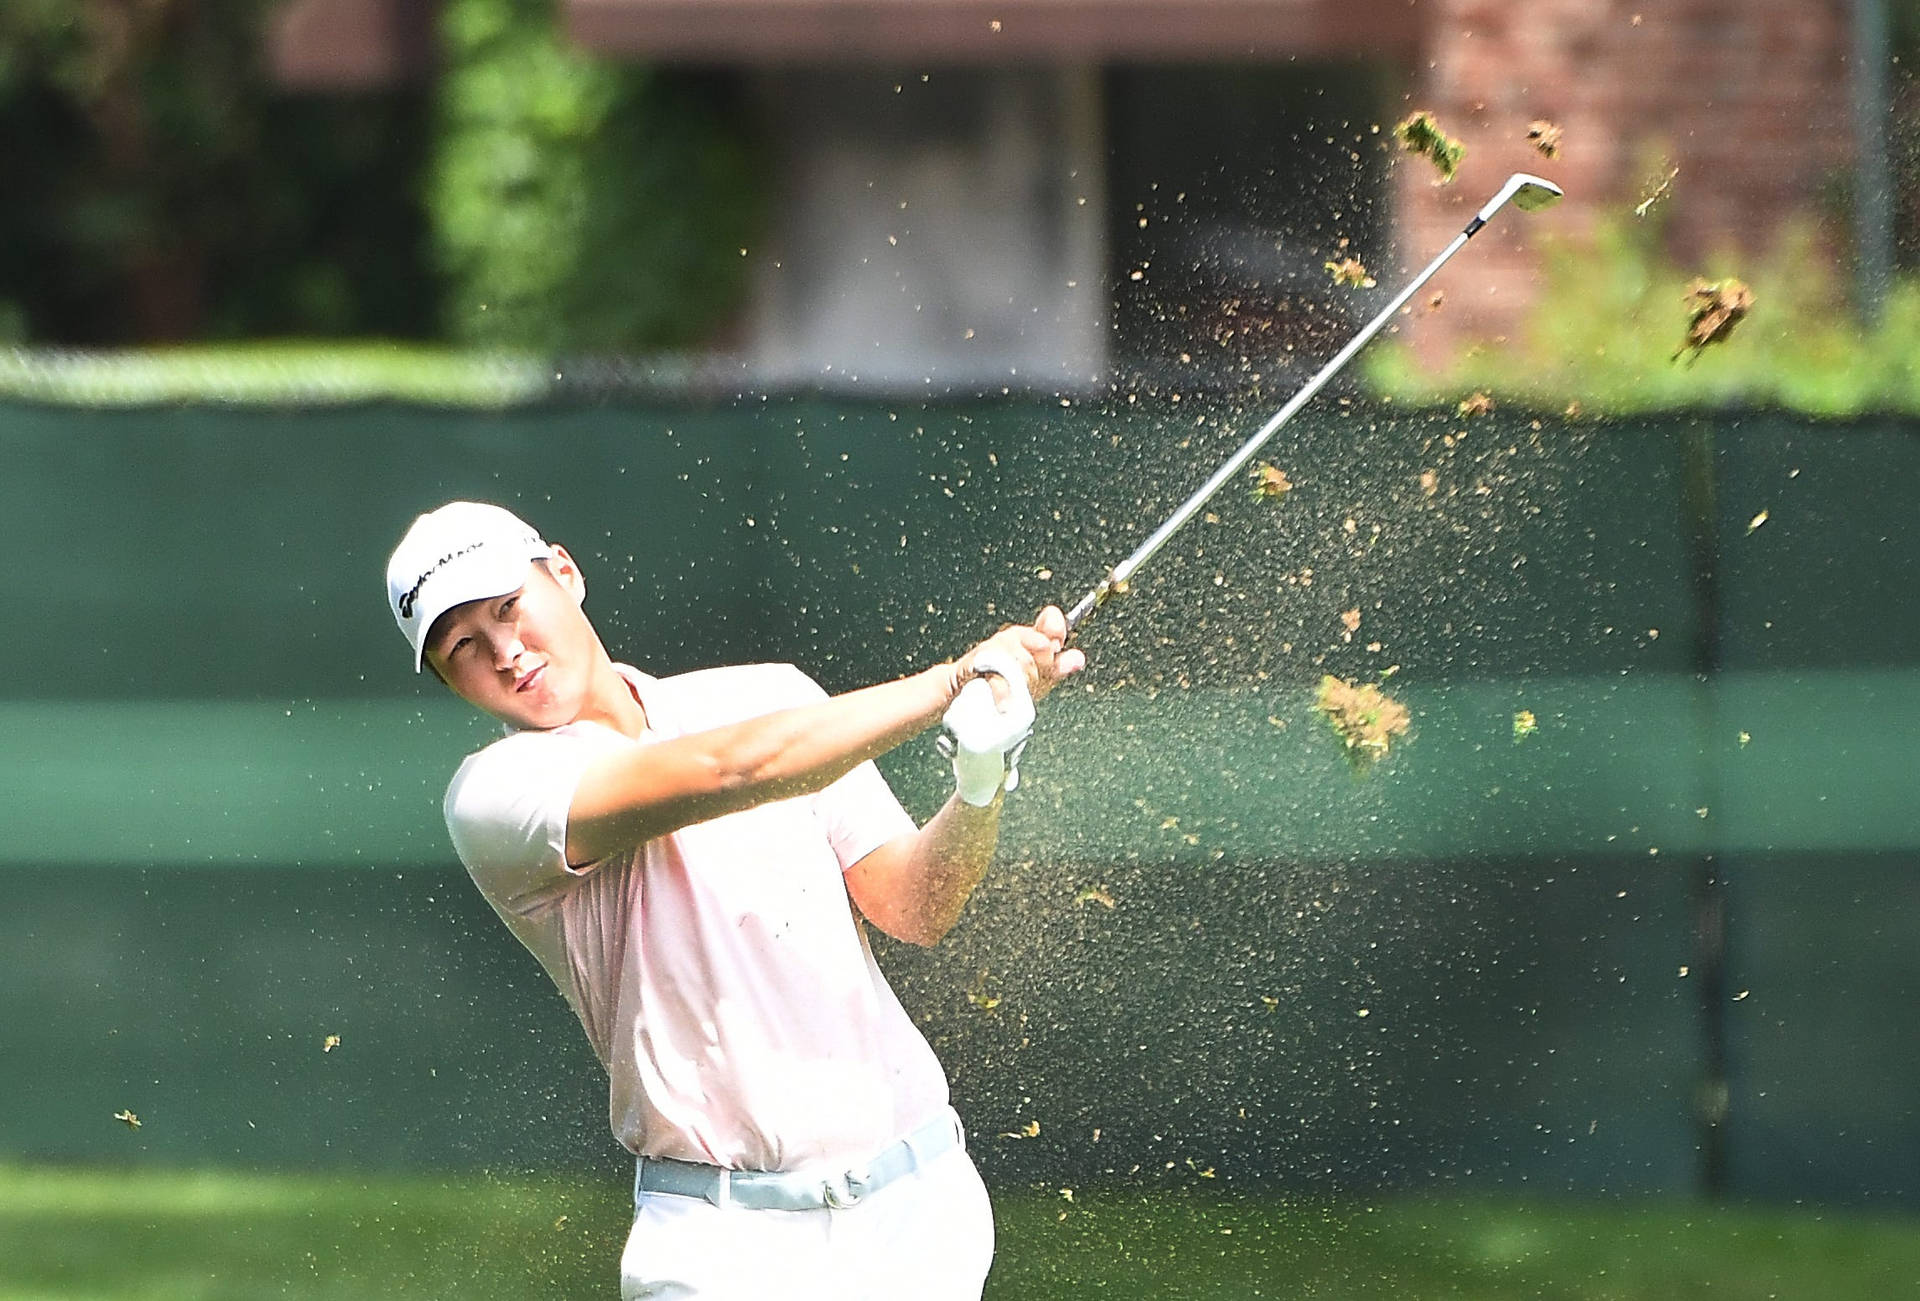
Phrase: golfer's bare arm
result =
(647, 791)
(914, 887)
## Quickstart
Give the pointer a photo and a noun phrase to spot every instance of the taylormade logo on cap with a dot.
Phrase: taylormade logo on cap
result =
(464, 551)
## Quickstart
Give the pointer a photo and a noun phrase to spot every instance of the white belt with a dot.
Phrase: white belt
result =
(780, 1190)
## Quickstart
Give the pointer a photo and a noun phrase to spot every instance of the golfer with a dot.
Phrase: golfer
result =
(694, 861)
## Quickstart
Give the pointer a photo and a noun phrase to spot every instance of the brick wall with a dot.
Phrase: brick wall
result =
(1749, 98)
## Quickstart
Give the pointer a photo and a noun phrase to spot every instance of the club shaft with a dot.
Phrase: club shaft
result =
(1125, 570)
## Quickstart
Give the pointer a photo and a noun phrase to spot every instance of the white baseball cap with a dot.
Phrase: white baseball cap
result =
(464, 551)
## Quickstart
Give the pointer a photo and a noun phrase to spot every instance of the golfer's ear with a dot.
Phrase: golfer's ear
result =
(567, 573)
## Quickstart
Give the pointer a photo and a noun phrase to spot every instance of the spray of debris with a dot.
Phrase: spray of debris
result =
(1545, 137)
(1051, 1003)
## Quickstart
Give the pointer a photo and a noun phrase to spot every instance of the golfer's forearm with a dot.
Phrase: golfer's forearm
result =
(914, 888)
(797, 751)
(652, 790)
(953, 856)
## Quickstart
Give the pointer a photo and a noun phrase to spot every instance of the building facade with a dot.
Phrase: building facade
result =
(1052, 192)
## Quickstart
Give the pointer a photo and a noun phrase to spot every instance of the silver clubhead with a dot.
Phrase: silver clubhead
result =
(1532, 193)
(1527, 193)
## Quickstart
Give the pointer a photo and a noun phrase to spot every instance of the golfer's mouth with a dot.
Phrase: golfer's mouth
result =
(527, 681)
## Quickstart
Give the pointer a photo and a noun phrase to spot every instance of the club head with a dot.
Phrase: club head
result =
(1527, 193)
(1531, 193)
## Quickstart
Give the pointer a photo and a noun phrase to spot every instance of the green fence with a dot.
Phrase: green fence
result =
(1473, 966)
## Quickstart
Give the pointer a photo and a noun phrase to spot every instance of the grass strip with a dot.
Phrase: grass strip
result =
(211, 1235)
(273, 375)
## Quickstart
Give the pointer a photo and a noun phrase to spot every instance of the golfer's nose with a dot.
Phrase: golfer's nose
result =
(507, 651)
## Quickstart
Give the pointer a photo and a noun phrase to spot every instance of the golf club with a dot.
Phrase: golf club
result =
(1527, 193)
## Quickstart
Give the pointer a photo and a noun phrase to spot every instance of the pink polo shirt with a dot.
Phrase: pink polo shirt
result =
(719, 970)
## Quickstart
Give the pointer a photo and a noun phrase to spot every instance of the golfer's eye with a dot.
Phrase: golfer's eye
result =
(507, 606)
(457, 646)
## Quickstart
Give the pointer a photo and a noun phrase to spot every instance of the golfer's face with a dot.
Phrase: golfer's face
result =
(523, 657)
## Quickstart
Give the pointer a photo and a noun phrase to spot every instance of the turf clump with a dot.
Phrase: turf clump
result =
(1364, 717)
(1418, 133)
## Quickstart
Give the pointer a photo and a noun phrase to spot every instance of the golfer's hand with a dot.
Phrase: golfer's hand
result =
(1038, 648)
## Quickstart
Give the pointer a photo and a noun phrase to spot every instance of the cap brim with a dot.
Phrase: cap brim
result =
(480, 575)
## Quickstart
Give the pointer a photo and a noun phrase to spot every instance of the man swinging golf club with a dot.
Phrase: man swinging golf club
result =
(693, 860)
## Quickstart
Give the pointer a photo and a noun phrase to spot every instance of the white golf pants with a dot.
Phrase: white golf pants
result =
(927, 1235)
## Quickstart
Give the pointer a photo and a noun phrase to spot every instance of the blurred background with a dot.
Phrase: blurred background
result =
(838, 332)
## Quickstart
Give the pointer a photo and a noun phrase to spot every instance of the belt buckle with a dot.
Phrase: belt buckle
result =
(845, 1190)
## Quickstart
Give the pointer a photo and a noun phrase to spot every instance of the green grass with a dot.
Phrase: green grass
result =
(1414, 1248)
(209, 1236)
(212, 1236)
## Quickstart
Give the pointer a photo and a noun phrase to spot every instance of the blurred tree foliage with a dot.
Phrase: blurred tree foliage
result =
(1611, 314)
(580, 206)
(159, 187)
(1607, 328)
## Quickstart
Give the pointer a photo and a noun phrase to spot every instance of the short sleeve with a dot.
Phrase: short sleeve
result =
(507, 809)
(860, 813)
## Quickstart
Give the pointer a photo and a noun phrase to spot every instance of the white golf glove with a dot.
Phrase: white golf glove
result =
(983, 739)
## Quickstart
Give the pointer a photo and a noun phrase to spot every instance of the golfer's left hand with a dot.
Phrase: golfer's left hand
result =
(1038, 648)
